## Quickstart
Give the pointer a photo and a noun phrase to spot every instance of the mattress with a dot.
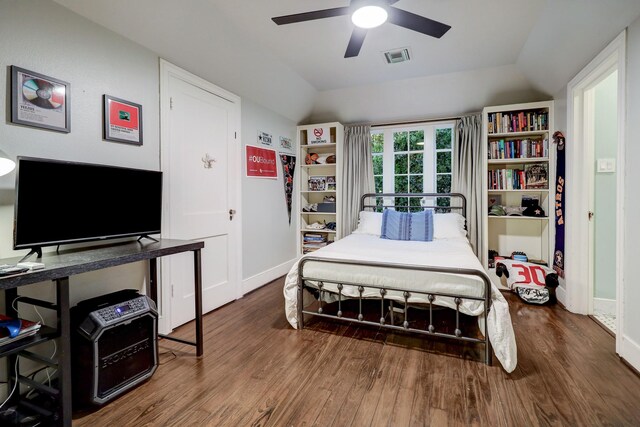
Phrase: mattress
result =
(451, 253)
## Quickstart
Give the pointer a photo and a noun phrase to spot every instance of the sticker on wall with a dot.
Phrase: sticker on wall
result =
(261, 162)
(265, 138)
(285, 143)
(288, 168)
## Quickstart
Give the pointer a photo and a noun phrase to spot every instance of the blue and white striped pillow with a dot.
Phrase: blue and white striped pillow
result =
(407, 226)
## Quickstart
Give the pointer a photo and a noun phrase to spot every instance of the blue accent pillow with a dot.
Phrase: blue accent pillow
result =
(407, 226)
(422, 226)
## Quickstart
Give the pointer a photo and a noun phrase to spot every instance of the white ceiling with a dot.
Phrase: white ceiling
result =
(235, 44)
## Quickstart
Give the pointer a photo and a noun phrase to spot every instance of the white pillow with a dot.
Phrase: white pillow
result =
(448, 226)
(369, 223)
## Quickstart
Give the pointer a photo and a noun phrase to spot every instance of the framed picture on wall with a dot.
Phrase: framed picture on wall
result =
(40, 101)
(122, 121)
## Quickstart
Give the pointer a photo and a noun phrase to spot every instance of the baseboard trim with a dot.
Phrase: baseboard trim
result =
(561, 295)
(630, 352)
(254, 282)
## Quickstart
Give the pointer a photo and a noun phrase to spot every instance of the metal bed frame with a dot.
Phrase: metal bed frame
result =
(430, 296)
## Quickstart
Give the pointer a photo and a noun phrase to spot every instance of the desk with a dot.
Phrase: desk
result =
(60, 266)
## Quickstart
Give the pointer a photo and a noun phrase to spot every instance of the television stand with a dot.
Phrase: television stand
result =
(146, 236)
(59, 268)
(34, 250)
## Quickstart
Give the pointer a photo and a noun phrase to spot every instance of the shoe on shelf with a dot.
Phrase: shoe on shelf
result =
(331, 225)
(329, 199)
(311, 207)
(316, 226)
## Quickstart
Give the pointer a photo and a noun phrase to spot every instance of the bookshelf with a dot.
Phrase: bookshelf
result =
(318, 184)
(519, 169)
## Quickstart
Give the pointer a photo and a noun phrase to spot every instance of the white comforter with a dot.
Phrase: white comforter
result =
(455, 253)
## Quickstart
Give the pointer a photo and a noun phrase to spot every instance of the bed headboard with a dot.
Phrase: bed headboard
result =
(381, 201)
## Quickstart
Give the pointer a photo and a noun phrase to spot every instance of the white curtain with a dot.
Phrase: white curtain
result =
(357, 174)
(468, 167)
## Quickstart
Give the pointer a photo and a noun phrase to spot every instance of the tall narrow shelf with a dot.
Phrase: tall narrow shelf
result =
(319, 183)
(518, 138)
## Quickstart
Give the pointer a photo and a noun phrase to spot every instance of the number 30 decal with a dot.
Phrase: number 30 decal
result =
(528, 274)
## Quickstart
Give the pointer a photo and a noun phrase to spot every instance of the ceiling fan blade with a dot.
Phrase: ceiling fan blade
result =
(355, 42)
(310, 16)
(417, 23)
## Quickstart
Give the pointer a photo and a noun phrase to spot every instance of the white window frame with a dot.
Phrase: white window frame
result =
(429, 151)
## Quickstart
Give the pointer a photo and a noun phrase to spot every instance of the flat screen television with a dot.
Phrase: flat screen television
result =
(68, 202)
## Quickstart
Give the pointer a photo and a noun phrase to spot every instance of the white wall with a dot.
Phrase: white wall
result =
(47, 38)
(632, 201)
(268, 240)
(438, 96)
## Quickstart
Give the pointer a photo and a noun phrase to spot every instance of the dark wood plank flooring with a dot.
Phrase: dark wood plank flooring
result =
(258, 371)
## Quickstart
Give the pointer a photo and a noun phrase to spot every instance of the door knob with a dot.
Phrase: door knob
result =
(232, 212)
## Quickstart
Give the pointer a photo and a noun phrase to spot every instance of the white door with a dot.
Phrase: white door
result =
(201, 188)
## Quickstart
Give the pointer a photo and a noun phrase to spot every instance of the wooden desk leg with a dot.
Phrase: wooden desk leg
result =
(64, 358)
(197, 270)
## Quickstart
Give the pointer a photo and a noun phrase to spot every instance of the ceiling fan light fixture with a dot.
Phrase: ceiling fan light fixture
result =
(369, 16)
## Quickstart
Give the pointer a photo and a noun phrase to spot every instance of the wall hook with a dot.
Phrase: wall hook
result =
(208, 161)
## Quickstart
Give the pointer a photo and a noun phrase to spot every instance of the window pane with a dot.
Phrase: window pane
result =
(444, 162)
(443, 184)
(415, 184)
(400, 141)
(401, 184)
(401, 164)
(416, 140)
(416, 163)
(377, 165)
(377, 143)
(414, 202)
(443, 138)
(379, 187)
(400, 202)
(443, 201)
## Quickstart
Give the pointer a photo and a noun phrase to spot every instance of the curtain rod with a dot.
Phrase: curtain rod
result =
(415, 122)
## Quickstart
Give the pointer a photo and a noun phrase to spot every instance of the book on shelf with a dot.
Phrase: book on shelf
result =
(507, 179)
(517, 121)
(27, 328)
(518, 149)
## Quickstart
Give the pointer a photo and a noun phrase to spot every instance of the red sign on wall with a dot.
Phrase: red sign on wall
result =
(261, 162)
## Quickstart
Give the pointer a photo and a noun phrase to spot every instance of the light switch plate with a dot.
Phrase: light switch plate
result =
(606, 165)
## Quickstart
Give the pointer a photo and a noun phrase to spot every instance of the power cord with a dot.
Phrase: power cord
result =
(15, 385)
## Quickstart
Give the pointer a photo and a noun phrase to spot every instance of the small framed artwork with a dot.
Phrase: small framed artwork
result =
(40, 101)
(122, 121)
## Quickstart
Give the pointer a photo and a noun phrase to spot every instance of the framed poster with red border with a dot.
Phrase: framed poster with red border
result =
(122, 121)
(261, 162)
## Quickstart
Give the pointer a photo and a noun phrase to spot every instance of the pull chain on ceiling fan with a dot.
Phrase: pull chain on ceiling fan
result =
(367, 14)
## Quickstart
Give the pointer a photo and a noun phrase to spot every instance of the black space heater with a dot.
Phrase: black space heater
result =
(113, 346)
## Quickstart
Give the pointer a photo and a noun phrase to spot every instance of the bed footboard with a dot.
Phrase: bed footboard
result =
(431, 297)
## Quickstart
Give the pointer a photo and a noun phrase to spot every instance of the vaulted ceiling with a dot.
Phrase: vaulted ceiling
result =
(236, 44)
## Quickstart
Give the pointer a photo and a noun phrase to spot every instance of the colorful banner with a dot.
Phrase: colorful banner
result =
(288, 168)
(558, 255)
(261, 162)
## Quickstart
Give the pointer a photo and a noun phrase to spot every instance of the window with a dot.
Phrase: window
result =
(416, 159)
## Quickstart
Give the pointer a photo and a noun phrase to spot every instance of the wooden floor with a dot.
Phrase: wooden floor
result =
(258, 371)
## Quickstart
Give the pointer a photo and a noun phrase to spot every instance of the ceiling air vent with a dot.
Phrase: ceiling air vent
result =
(397, 55)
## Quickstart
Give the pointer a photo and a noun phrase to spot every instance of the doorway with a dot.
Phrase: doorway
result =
(601, 135)
(200, 125)
(595, 188)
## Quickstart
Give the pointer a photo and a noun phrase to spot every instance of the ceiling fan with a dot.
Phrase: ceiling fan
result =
(366, 14)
